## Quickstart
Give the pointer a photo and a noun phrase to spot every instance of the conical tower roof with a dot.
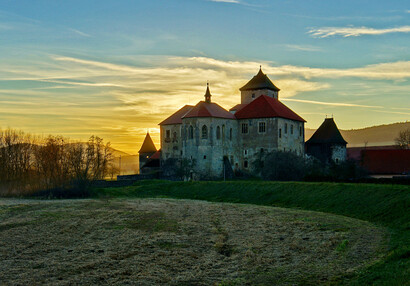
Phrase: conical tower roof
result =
(259, 81)
(327, 133)
(148, 145)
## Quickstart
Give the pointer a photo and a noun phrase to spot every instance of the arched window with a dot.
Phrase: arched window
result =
(218, 132)
(230, 134)
(204, 134)
(191, 132)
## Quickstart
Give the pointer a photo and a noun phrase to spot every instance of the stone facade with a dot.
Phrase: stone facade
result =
(339, 153)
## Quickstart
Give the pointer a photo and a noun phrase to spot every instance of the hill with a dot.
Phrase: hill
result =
(381, 135)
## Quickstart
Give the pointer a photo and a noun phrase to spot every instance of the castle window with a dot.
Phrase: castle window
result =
(245, 152)
(300, 131)
(204, 156)
(204, 132)
(223, 132)
(262, 150)
(262, 127)
(286, 128)
(191, 132)
(218, 132)
(291, 129)
(168, 134)
(174, 137)
(280, 132)
(230, 134)
(245, 164)
(244, 128)
(253, 95)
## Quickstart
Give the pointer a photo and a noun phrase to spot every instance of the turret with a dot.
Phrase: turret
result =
(259, 85)
(207, 94)
(147, 150)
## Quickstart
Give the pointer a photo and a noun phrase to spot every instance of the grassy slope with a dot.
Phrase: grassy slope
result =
(384, 205)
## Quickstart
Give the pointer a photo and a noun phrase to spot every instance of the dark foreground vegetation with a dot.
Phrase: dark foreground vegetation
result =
(383, 205)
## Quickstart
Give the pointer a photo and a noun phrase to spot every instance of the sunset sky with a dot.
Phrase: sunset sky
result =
(116, 68)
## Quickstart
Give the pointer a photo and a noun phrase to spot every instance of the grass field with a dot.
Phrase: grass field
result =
(178, 242)
(384, 205)
(249, 232)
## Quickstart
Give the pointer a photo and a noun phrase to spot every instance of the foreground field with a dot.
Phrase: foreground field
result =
(384, 205)
(180, 242)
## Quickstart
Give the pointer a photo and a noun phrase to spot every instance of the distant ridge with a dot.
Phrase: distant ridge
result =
(380, 135)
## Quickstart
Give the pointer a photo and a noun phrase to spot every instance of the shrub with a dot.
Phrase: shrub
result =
(281, 166)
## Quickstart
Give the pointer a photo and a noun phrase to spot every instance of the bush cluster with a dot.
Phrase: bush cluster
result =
(288, 166)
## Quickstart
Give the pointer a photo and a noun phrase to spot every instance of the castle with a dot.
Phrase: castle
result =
(212, 141)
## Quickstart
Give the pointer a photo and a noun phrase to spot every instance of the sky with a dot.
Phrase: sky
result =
(115, 69)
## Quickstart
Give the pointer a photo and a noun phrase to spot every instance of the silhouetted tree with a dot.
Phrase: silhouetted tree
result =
(29, 164)
(403, 139)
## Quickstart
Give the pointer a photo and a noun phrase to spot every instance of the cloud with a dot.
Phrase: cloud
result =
(226, 1)
(5, 27)
(94, 94)
(354, 31)
(331, 103)
(305, 48)
(78, 32)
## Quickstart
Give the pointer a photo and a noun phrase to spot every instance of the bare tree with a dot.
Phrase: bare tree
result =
(403, 140)
(29, 164)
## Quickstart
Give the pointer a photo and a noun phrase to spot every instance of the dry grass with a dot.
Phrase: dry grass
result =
(177, 242)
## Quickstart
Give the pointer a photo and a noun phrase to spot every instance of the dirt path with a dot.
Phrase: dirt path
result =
(177, 242)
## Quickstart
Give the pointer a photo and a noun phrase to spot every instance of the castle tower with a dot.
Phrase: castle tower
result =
(147, 150)
(259, 85)
(327, 144)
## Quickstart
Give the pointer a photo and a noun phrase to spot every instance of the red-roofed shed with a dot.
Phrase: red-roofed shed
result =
(386, 161)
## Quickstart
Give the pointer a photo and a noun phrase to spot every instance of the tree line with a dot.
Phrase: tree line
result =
(30, 164)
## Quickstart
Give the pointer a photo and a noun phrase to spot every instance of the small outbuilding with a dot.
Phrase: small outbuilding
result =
(327, 144)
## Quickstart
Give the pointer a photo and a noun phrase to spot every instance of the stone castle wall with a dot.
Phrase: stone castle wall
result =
(339, 153)
(241, 148)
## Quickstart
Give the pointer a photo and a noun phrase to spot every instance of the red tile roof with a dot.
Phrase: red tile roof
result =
(176, 118)
(238, 107)
(265, 107)
(156, 155)
(386, 161)
(148, 146)
(205, 109)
